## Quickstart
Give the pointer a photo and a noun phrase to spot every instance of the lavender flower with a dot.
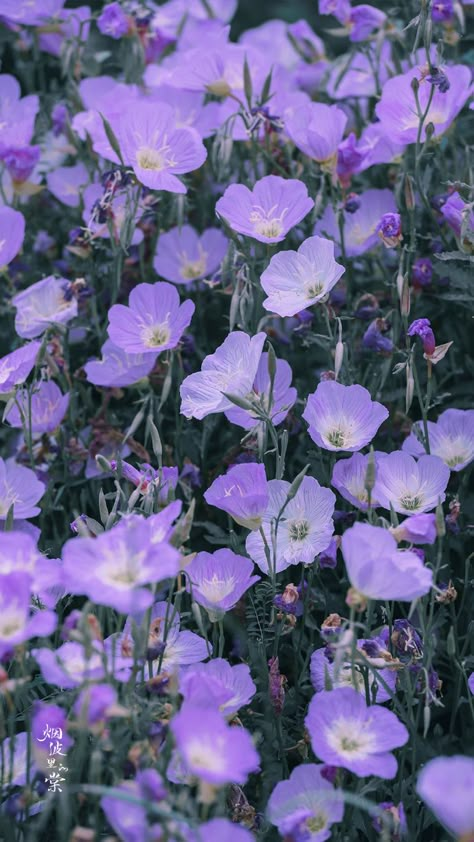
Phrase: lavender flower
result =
(422, 272)
(66, 183)
(217, 683)
(363, 20)
(342, 673)
(216, 830)
(306, 805)
(153, 322)
(408, 486)
(269, 211)
(210, 749)
(349, 477)
(47, 406)
(95, 704)
(16, 759)
(377, 570)
(417, 529)
(345, 732)
(343, 417)
(117, 368)
(71, 664)
(16, 367)
(275, 405)
(451, 438)
(305, 525)
(317, 130)
(113, 21)
(242, 493)
(374, 339)
(453, 211)
(16, 625)
(43, 304)
(183, 256)
(12, 233)
(360, 228)
(445, 784)
(397, 110)
(19, 488)
(389, 229)
(298, 279)
(20, 161)
(114, 566)
(156, 149)
(442, 11)
(230, 369)
(218, 580)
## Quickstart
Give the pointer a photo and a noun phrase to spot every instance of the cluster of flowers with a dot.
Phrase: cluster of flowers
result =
(205, 249)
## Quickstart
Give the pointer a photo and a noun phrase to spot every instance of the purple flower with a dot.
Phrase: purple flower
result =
(406, 641)
(389, 229)
(422, 328)
(345, 732)
(328, 557)
(453, 211)
(127, 817)
(363, 20)
(294, 280)
(48, 407)
(269, 211)
(438, 78)
(417, 529)
(71, 664)
(20, 161)
(210, 749)
(242, 493)
(442, 11)
(49, 734)
(422, 272)
(104, 214)
(12, 233)
(113, 21)
(218, 580)
(95, 704)
(231, 369)
(66, 183)
(304, 807)
(360, 228)
(217, 683)
(374, 339)
(341, 673)
(17, 116)
(59, 118)
(290, 601)
(156, 149)
(317, 130)
(340, 9)
(43, 304)
(183, 256)
(216, 830)
(15, 367)
(349, 160)
(305, 526)
(117, 368)
(349, 477)
(470, 682)
(343, 417)
(446, 784)
(378, 570)
(153, 322)
(16, 624)
(282, 399)
(451, 438)
(113, 567)
(397, 111)
(20, 488)
(410, 487)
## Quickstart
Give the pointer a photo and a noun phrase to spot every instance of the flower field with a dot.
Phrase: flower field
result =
(237, 437)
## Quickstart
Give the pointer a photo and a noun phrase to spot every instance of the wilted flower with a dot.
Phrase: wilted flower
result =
(230, 369)
(389, 229)
(218, 683)
(378, 570)
(375, 340)
(442, 11)
(451, 438)
(46, 405)
(306, 805)
(210, 749)
(446, 784)
(15, 367)
(422, 272)
(43, 304)
(12, 233)
(394, 814)
(409, 486)
(323, 668)
(297, 279)
(317, 130)
(269, 211)
(153, 322)
(242, 493)
(183, 256)
(406, 640)
(343, 417)
(422, 328)
(218, 580)
(345, 732)
(20, 488)
(71, 664)
(20, 161)
(305, 525)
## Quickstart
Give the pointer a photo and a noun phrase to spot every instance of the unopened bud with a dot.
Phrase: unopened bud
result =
(410, 388)
(370, 472)
(440, 523)
(415, 85)
(409, 193)
(294, 487)
(429, 131)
